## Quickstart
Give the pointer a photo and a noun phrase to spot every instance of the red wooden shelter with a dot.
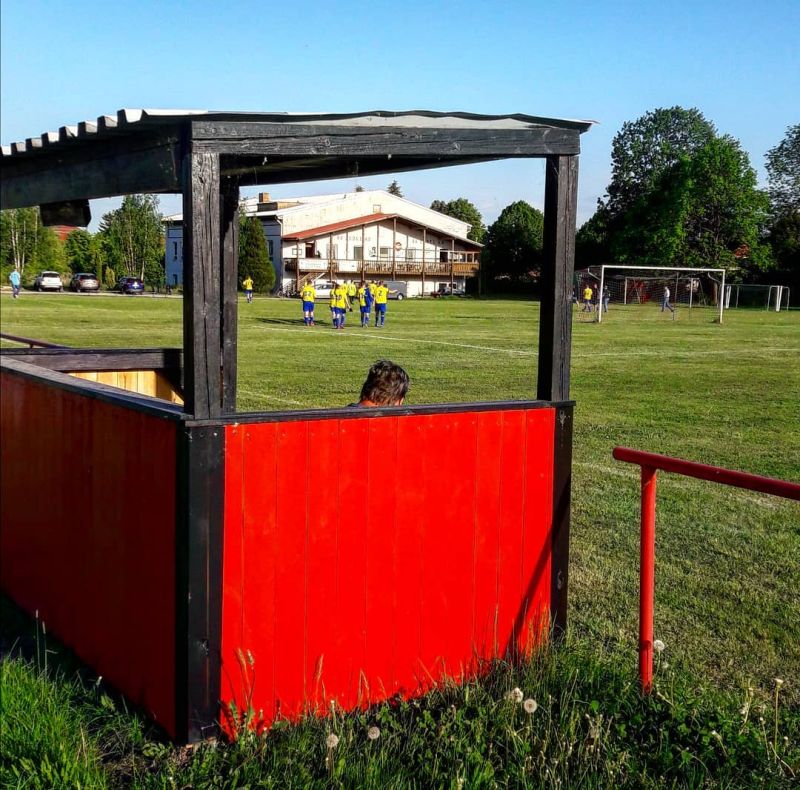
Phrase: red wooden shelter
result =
(212, 586)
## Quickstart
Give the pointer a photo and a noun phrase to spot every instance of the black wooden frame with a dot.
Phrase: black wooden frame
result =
(207, 158)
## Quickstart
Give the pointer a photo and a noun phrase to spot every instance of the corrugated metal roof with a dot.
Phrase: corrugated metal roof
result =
(131, 121)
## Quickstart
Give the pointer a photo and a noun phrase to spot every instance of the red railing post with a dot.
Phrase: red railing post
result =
(647, 551)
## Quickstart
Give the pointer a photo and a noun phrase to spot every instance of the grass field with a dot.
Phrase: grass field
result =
(728, 561)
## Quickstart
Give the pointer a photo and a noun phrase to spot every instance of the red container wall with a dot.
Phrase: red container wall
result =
(369, 557)
(88, 532)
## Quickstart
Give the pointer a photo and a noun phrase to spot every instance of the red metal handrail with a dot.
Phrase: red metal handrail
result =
(650, 464)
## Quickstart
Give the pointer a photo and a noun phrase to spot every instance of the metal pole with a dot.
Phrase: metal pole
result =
(647, 552)
(600, 295)
(722, 300)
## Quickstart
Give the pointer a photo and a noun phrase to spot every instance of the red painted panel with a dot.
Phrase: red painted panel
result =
(88, 540)
(398, 550)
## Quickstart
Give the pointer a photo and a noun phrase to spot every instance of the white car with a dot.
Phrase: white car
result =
(323, 288)
(48, 281)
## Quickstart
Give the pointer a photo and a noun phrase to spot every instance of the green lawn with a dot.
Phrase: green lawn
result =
(728, 561)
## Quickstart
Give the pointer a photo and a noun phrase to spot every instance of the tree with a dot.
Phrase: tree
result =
(783, 173)
(644, 149)
(514, 242)
(80, 251)
(592, 244)
(463, 209)
(254, 256)
(394, 189)
(19, 233)
(725, 211)
(133, 238)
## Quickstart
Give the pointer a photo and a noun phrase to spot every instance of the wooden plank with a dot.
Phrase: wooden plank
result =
(555, 317)
(562, 484)
(96, 359)
(201, 278)
(230, 137)
(229, 232)
(91, 172)
(198, 588)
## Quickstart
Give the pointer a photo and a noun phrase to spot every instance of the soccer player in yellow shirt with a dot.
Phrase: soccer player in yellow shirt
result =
(308, 294)
(381, 296)
(364, 302)
(247, 284)
(587, 299)
(339, 302)
(352, 292)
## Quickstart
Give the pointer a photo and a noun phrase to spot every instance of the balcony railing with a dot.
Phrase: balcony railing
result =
(386, 266)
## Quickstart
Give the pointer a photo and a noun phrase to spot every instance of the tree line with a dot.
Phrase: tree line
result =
(129, 242)
(680, 194)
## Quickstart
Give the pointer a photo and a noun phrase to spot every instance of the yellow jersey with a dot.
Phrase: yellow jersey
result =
(248, 284)
(309, 293)
(351, 290)
(381, 294)
(587, 294)
(362, 296)
(339, 297)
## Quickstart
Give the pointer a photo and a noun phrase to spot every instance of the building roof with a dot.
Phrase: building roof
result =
(335, 227)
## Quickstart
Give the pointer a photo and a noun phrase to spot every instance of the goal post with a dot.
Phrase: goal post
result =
(630, 285)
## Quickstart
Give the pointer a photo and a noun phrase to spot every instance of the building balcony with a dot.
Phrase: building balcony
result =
(466, 266)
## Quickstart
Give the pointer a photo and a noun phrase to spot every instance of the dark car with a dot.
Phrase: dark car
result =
(129, 285)
(83, 281)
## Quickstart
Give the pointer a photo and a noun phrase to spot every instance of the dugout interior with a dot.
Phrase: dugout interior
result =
(213, 575)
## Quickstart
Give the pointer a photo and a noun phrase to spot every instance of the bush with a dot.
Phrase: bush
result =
(109, 278)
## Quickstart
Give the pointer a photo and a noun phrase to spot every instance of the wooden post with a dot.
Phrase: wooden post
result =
(229, 209)
(424, 245)
(394, 248)
(555, 317)
(201, 302)
(452, 258)
(363, 248)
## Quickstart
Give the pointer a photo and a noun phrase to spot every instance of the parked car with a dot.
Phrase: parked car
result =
(323, 288)
(398, 289)
(129, 285)
(446, 290)
(48, 281)
(84, 281)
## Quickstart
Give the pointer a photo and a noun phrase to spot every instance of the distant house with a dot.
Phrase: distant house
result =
(370, 235)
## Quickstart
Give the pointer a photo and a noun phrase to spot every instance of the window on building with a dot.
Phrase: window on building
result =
(270, 247)
(384, 252)
(174, 250)
(411, 255)
(358, 253)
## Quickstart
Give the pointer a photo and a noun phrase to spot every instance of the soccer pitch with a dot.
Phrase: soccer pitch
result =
(727, 561)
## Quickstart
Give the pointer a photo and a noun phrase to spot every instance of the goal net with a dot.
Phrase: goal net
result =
(640, 290)
(763, 297)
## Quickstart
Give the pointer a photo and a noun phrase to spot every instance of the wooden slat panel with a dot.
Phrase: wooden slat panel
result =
(403, 549)
(96, 555)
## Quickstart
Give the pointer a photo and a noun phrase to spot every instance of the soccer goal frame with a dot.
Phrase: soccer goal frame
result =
(678, 271)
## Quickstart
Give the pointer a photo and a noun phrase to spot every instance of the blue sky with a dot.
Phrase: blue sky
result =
(738, 62)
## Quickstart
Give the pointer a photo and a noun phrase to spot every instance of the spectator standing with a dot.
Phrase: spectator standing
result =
(16, 283)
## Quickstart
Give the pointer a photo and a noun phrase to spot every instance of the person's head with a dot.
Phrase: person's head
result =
(386, 385)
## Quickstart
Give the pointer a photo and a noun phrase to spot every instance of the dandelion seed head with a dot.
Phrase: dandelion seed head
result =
(761, 719)
(743, 711)
(530, 705)
(778, 681)
(332, 741)
(658, 646)
(373, 733)
(515, 695)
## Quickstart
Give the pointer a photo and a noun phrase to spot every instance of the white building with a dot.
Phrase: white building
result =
(355, 235)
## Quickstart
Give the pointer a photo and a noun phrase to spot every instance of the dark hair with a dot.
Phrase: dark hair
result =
(386, 384)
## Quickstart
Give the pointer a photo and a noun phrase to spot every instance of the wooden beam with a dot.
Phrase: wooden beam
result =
(555, 317)
(201, 278)
(229, 236)
(265, 139)
(106, 169)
